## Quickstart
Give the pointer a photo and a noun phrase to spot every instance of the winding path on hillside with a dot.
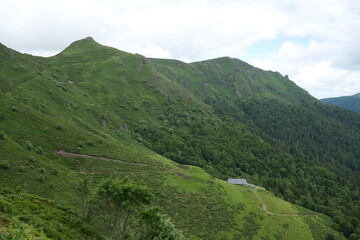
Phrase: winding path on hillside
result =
(265, 208)
(70, 154)
(65, 153)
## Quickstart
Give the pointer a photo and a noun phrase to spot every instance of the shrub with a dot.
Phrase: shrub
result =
(41, 179)
(90, 143)
(54, 172)
(41, 170)
(59, 127)
(21, 169)
(39, 150)
(2, 136)
(330, 236)
(2, 116)
(142, 128)
(4, 164)
(14, 109)
(28, 145)
(171, 131)
(80, 144)
(6, 206)
(100, 141)
(32, 159)
(16, 68)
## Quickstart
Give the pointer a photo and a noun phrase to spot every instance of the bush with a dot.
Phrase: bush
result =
(6, 206)
(90, 143)
(54, 172)
(28, 145)
(39, 150)
(4, 164)
(41, 170)
(80, 144)
(16, 68)
(330, 236)
(21, 169)
(59, 127)
(32, 159)
(14, 109)
(2, 136)
(41, 179)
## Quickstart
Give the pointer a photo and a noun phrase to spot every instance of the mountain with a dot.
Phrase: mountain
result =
(349, 102)
(179, 129)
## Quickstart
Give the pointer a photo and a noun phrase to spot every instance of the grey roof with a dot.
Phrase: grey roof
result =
(237, 181)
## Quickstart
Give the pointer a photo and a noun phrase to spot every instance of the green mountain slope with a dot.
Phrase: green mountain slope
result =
(349, 102)
(201, 205)
(138, 113)
(321, 140)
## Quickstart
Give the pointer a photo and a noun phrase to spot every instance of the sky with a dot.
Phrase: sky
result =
(316, 43)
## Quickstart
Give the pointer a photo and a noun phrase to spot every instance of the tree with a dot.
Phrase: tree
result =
(158, 227)
(123, 207)
(121, 203)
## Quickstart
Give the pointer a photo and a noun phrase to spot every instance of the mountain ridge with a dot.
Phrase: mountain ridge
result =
(348, 102)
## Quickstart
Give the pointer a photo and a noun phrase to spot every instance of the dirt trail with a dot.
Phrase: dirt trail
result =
(70, 154)
(265, 209)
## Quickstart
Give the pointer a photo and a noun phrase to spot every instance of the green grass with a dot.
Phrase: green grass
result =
(275, 204)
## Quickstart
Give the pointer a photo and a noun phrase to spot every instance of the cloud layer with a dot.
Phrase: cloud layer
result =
(318, 46)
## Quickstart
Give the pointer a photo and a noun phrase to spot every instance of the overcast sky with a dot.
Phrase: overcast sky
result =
(315, 42)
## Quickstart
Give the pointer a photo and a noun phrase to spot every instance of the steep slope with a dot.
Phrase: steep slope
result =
(101, 102)
(202, 206)
(322, 140)
(349, 102)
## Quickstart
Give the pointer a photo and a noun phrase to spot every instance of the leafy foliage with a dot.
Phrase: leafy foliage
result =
(24, 216)
(122, 206)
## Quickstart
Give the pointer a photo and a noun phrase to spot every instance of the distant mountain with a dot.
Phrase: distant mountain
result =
(179, 129)
(349, 102)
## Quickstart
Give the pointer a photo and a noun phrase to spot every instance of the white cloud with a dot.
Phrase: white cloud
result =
(312, 69)
(156, 52)
(184, 59)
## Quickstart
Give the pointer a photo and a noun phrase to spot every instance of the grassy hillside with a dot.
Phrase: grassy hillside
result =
(349, 102)
(125, 115)
(202, 206)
